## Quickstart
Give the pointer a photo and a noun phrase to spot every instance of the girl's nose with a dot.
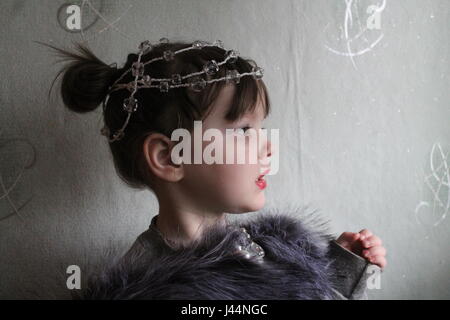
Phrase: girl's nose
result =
(266, 148)
(269, 148)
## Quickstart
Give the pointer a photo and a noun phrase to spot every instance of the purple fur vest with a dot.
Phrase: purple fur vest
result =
(296, 264)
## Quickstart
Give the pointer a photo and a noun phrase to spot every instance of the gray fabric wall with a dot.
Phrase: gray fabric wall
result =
(363, 117)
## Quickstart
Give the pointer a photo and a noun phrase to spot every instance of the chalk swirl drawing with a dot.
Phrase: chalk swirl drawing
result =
(19, 149)
(438, 182)
(94, 13)
(87, 20)
(357, 43)
(109, 24)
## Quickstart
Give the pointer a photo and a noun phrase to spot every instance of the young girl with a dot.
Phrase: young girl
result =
(191, 250)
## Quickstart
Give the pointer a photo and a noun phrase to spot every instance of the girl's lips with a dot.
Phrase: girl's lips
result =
(261, 183)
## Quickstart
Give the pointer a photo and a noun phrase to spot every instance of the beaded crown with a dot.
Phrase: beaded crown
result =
(192, 80)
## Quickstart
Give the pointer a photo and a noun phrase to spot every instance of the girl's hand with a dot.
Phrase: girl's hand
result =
(366, 245)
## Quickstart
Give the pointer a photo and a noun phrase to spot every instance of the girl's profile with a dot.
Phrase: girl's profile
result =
(191, 249)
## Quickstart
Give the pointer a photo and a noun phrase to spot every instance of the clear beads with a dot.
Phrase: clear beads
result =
(211, 67)
(169, 55)
(137, 69)
(198, 44)
(197, 83)
(105, 131)
(118, 135)
(232, 76)
(145, 47)
(245, 232)
(176, 79)
(258, 73)
(218, 43)
(231, 56)
(164, 86)
(130, 104)
(130, 86)
(249, 249)
(146, 80)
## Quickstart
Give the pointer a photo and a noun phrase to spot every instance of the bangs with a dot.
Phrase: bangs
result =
(249, 91)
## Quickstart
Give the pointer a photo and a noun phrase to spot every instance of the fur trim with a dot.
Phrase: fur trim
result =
(295, 265)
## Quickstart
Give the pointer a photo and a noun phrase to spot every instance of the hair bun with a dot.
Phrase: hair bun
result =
(86, 79)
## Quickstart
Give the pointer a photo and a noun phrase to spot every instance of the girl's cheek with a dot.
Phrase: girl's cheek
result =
(245, 149)
(248, 148)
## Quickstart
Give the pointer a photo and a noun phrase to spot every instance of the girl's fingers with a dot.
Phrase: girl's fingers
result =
(372, 241)
(347, 238)
(374, 251)
(365, 234)
(379, 261)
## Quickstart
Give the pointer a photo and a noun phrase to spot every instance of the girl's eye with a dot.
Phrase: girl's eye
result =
(243, 130)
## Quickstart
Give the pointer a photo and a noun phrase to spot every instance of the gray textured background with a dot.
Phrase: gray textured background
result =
(363, 138)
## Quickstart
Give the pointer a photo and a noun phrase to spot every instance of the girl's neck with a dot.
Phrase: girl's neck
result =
(184, 226)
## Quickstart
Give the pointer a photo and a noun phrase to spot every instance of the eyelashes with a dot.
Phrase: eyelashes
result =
(244, 130)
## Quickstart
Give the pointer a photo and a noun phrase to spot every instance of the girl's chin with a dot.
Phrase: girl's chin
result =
(253, 207)
(249, 204)
(257, 203)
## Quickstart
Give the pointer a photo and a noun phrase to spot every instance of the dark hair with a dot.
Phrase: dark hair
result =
(87, 79)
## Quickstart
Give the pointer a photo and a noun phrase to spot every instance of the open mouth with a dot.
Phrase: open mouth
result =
(260, 182)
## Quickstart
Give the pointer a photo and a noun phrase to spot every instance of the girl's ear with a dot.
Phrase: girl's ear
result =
(157, 150)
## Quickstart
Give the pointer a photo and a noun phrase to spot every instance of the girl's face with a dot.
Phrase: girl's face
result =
(235, 187)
